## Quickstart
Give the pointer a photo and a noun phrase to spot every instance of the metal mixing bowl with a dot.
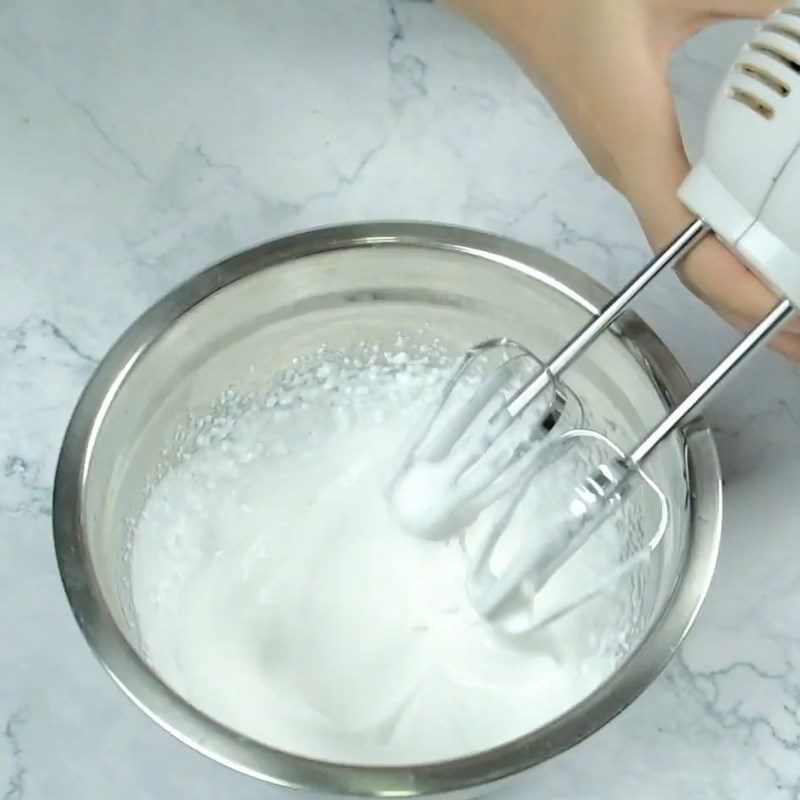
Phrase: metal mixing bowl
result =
(341, 285)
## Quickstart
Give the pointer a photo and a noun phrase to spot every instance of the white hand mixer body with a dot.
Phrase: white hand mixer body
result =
(491, 436)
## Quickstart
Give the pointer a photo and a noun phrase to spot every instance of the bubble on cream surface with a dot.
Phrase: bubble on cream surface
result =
(275, 591)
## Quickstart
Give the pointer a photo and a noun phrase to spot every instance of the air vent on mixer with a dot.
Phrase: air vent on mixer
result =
(764, 77)
(770, 65)
(751, 101)
(770, 51)
(782, 29)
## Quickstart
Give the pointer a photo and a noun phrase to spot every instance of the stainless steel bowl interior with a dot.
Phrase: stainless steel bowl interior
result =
(238, 323)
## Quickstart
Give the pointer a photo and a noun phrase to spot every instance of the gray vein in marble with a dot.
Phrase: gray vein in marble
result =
(733, 716)
(200, 151)
(25, 475)
(759, 421)
(100, 130)
(406, 68)
(567, 234)
(413, 69)
(794, 416)
(526, 209)
(15, 786)
(20, 335)
(396, 27)
(344, 180)
(83, 110)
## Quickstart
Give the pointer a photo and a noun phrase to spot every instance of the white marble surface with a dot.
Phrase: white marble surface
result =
(141, 141)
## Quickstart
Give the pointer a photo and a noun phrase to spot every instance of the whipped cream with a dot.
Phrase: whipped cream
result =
(275, 591)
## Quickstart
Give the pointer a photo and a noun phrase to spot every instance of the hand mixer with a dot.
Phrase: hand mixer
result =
(491, 435)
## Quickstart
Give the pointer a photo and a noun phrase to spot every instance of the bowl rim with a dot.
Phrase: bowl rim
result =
(250, 757)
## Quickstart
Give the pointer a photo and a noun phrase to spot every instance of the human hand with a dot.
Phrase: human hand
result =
(604, 67)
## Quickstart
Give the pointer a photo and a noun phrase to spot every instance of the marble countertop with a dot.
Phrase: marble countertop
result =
(142, 141)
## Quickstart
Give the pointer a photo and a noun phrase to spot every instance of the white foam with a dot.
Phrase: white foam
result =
(275, 591)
